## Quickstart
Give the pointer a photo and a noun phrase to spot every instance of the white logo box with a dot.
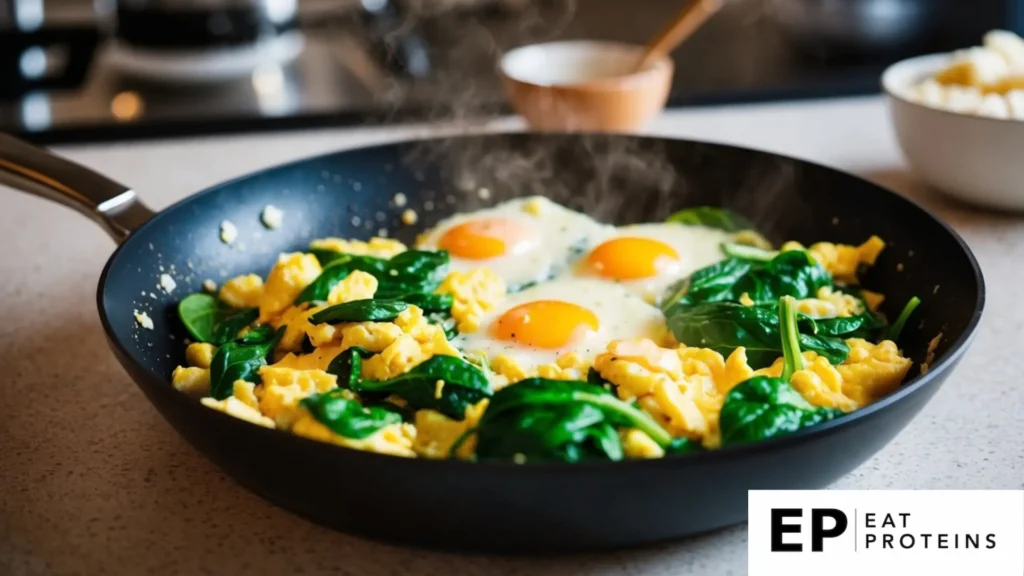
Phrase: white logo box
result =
(898, 532)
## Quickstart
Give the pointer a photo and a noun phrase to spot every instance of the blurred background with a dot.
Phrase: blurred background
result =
(96, 70)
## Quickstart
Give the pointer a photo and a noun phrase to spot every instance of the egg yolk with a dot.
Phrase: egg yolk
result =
(631, 258)
(487, 238)
(546, 324)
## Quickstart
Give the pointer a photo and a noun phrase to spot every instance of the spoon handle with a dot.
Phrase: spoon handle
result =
(689, 19)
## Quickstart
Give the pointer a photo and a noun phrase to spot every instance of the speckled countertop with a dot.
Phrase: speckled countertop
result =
(93, 481)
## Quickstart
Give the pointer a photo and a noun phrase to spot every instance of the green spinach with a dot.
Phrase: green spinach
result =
(429, 303)
(792, 273)
(241, 360)
(542, 419)
(894, 331)
(725, 326)
(410, 272)
(712, 217)
(764, 407)
(348, 366)
(464, 383)
(347, 417)
(209, 320)
(866, 325)
(368, 310)
(683, 446)
(564, 432)
(338, 270)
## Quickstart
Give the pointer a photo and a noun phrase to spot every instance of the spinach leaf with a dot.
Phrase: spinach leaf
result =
(241, 360)
(411, 272)
(712, 217)
(564, 432)
(463, 385)
(897, 327)
(346, 417)
(791, 273)
(429, 302)
(368, 310)
(725, 326)
(710, 284)
(348, 366)
(406, 412)
(867, 326)
(259, 334)
(683, 446)
(338, 270)
(764, 407)
(431, 265)
(544, 419)
(209, 320)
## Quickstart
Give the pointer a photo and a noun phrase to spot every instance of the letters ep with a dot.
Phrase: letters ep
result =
(780, 527)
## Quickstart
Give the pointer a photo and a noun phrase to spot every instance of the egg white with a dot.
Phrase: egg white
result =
(697, 246)
(620, 315)
(561, 237)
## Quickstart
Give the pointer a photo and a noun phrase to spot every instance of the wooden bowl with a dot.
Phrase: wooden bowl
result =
(585, 85)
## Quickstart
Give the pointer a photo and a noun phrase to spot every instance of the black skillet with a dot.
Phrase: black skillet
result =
(622, 179)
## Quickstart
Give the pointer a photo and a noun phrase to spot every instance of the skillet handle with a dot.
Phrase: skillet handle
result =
(41, 173)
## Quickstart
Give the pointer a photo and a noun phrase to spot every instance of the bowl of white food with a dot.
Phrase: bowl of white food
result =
(959, 118)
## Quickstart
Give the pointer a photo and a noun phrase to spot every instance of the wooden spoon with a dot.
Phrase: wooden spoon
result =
(689, 19)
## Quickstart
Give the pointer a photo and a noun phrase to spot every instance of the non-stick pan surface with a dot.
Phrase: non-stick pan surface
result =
(546, 507)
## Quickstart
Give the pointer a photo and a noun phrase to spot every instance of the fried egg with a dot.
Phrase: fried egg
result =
(569, 315)
(647, 258)
(524, 241)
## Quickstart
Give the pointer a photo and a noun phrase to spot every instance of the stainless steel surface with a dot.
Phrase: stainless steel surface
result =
(41, 173)
(863, 25)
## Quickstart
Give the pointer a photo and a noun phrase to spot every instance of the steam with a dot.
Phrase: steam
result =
(616, 179)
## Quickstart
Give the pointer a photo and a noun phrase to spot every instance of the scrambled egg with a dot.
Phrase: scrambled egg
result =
(234, 407)
(200, 354)
(830, 304)
(507, 369)
(358, 285)
(435, 432)
(683, 388)
(292, 273)
(637, 444)
(842, 260)
(192, 381)
(419, 340)
(474, 293)
(283, 388)
(244, 291)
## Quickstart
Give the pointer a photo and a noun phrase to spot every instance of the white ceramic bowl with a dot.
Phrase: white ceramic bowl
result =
(974, 158)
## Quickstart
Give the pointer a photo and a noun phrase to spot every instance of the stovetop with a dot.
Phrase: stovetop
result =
(343, 75)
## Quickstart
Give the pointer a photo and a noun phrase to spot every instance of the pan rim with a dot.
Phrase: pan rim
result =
(914, 386)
